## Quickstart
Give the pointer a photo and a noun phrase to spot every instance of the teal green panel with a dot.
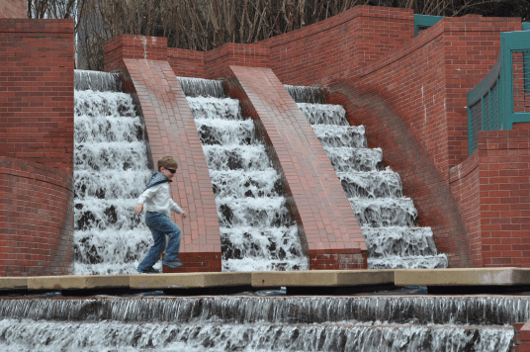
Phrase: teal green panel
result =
(513, 42)
(424, 21)
(526, 70)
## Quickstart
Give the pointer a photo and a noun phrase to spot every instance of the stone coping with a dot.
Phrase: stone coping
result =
(13, 283)
(77, 282)
(314, 278)
(462, 277)
(318, 278)
(189, 280)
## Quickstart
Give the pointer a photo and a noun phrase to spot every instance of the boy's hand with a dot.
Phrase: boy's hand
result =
(138, 208)
(183, 214)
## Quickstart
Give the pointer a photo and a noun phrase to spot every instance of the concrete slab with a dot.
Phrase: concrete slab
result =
(13, 283)
(462, 277)
(189, 280)
(433, 278)
(317, 278)
(78, 282)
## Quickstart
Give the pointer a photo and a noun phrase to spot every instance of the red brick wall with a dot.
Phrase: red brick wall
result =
(504, 178)
(361, 35)
(472, 45)
(328, 227)
(217, 61)
(363, 46)
(13, 9)
(171, 131)
(413, 105)
(338, 47)
(214, 64)
(492, 188)
(133, 47)
(36, 146)
(464, 183)
(37, 91)
(186, 63)
(36, 219)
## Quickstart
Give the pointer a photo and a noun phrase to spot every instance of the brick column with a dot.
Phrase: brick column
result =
(504, 186)
(328, 225)
(36, 146)
(37, 91)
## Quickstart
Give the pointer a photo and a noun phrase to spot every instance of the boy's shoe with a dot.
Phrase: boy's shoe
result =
(147, 271)
(173, 264)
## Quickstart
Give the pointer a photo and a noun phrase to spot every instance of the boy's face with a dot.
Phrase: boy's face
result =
(167, 172)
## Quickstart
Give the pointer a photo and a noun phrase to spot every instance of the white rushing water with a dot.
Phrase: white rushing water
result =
(387, 218)
(110, 172)
(97, 80)
(23, 335)
(246, 309)
(257, 230)
(250, 323)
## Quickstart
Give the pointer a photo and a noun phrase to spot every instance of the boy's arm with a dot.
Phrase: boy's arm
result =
(174, 206)
(148, 193)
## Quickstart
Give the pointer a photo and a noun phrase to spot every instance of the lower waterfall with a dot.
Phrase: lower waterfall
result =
(250, 323)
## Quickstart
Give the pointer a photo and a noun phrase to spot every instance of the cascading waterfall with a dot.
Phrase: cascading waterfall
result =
(110, 172)
(387, 218)
(263, 323)
(257, 229)
(404, 310)
(213, 337)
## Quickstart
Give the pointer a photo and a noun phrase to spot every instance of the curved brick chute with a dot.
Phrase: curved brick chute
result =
(172, 131)
(332, 234)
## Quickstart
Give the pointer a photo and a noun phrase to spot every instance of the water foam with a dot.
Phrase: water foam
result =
(257, 229)
(387, 219)
(110, 172)
(111, 336)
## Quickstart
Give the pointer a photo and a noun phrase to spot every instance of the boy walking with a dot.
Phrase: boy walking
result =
(158, 206)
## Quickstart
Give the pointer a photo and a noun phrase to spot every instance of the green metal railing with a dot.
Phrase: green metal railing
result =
(502, 98)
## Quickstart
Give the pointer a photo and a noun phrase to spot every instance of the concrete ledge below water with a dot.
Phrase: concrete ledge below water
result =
(217, 282)
(318, 278)
(77, 282)
(189, 280)
(298, 282)
(466, 280)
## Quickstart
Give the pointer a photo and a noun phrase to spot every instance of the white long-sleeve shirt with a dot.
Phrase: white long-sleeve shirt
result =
(157, 198)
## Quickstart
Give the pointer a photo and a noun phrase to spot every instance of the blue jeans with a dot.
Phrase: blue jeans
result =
(161, 225)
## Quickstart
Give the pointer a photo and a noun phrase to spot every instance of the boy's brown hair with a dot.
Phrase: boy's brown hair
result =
(167, 162)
